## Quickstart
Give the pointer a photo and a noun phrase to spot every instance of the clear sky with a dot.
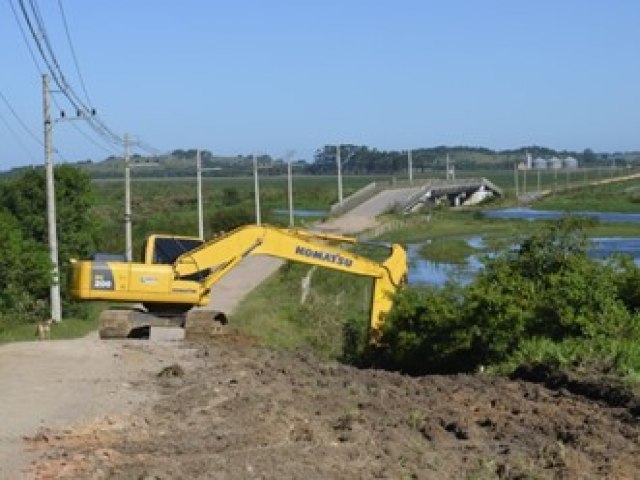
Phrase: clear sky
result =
(238, 76)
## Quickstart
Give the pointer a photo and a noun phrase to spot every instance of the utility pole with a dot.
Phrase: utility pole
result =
(56, 310)
(339, 174)
(199, 180)
(290, 191)
(410, 166)
(257, 188)
(127, 201)
(515, 177)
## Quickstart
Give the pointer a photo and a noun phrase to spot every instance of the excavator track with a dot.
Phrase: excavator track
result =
(204, 324)
(132, 323)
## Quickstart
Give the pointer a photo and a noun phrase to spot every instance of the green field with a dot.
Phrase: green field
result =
(170, 205)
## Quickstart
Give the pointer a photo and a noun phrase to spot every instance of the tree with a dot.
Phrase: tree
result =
(589, 157)
(25, 273)
(25, 200)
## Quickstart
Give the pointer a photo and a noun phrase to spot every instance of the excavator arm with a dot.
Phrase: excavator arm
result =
(221, 255)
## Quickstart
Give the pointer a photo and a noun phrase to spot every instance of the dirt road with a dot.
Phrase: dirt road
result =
(233, 410)
(55, 384)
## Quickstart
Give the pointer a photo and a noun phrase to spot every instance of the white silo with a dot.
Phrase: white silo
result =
(554, 162)
(570, 162)
(539, 163)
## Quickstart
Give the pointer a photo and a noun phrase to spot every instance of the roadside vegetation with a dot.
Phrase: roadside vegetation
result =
(25, 267)
(544, 302)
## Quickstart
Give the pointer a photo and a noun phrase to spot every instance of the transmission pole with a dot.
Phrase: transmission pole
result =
(410, 166)
(339, 174)
(257, 188)
(127, 200)
(199, 180)
(56, 310)
(290, 193)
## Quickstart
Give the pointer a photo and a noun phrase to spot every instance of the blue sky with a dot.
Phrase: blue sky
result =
(275, 75)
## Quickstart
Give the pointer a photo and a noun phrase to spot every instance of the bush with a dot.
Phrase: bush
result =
(544, 300)
(229, 218)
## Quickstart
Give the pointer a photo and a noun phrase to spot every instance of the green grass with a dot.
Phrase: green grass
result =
(449, 250)
(274, 314)
(68, 328)
(621, 197)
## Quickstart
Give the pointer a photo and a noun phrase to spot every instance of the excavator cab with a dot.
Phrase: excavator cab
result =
(165, 249)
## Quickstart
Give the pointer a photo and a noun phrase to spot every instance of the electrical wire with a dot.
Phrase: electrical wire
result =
(73, 52)
(17, 138)
(24, 37)
(20, 121)
(37, 29)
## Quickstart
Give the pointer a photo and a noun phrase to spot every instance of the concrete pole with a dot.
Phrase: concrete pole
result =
(538, 172)
(339, 173)
(56, 309)
(410, 166)
(199, 180)
(127, 202)
(515, 179)
(257, 188)
(290, 191)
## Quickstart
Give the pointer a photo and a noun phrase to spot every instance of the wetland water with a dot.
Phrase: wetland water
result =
(426, 272)
(529, 214)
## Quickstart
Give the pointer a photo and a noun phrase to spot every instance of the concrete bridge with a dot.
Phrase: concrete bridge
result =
(455, 193)
(377, 198)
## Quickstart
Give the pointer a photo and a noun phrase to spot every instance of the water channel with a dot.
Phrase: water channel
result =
(426, 272)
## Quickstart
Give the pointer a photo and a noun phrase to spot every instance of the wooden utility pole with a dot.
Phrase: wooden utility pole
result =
(56, 309)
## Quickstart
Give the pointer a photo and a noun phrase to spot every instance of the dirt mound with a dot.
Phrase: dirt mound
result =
(594, 385)
(244, 412)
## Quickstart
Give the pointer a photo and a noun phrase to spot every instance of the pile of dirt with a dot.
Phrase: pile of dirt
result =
(239, 411)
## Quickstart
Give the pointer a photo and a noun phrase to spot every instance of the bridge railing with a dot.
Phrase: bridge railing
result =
(355, 199)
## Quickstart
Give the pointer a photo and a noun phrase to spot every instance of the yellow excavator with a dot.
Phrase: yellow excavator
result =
(177, 273)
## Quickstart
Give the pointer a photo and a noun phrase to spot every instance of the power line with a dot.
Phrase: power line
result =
(17, 138)
(24, 37)
(73, 52)
(20, 121)
(50, 60)
(37, 29)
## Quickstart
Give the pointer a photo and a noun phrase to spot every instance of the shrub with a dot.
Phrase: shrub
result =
(543, 300)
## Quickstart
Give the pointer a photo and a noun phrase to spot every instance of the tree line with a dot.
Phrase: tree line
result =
(355, 159)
